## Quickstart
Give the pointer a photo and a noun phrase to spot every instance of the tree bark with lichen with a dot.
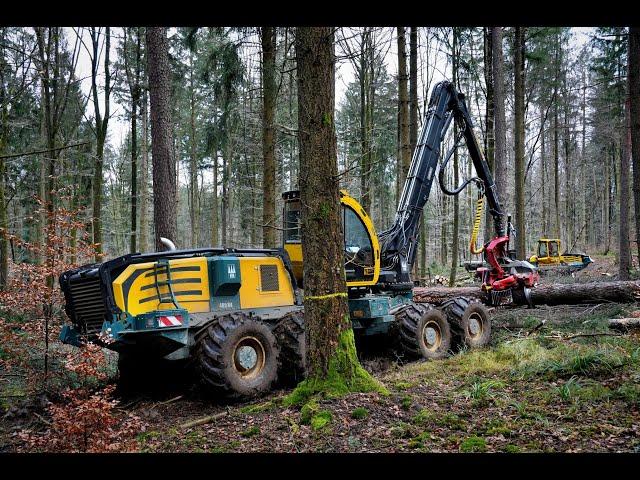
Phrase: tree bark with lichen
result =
(333, 367)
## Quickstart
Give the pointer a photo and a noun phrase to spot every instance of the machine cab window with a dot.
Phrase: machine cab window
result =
(358, 248)
(542, 250)
(292, 222)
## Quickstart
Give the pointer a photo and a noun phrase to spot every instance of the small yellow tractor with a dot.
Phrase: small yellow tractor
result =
(549, 259)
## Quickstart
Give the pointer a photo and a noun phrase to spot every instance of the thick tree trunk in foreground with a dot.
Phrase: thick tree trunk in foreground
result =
(268, 35)
(164, 178)
(551, 294)
(331, 354)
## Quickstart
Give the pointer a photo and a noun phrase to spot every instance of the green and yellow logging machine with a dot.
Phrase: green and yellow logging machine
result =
(238, 315)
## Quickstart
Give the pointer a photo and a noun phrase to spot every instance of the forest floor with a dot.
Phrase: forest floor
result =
(570, 385)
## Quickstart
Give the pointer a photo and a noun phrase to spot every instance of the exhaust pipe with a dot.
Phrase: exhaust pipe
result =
(168, 243)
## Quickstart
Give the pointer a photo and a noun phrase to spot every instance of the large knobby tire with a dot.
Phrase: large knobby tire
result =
(238, 357)
(469, 321)
(423, 331)
(292, 361)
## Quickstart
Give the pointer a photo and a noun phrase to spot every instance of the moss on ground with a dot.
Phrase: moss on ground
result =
(359, 413)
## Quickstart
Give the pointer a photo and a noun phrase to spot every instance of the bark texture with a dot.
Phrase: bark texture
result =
(164, 175)
(403, 108)
(268, 35)
(634, 108)
(519, 141)
(331, 358)
(500, 128)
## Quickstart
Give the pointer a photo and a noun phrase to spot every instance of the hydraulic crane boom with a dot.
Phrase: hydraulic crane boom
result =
(399, 242)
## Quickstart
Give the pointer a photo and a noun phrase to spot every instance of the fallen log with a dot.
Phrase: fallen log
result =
(203, 420)
(545, 294)
(624, 324)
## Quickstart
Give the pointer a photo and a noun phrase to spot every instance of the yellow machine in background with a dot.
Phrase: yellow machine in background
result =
(548, 257)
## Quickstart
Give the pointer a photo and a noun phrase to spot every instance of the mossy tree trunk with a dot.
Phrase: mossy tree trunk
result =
(332, 362)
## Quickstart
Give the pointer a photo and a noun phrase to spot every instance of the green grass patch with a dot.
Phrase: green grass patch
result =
(419, 441)
(251, 431)
(259, 408)
(473, 444)
(402, 385)
(401, 430)
(360, 413)
(628, 392)
(405, 402)
(510, 448)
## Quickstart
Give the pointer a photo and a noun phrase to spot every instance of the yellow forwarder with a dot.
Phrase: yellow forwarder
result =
(548, 258)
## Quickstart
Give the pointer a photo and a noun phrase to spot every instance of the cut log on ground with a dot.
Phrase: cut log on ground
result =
(546, 294)
(624, 324)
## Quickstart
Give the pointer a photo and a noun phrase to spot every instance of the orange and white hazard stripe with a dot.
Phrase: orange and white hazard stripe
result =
(170, 321)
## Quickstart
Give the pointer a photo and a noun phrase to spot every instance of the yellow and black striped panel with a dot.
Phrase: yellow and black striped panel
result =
(135, 288)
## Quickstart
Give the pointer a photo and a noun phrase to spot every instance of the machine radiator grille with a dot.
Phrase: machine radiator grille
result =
(88, 304)
(269, 278)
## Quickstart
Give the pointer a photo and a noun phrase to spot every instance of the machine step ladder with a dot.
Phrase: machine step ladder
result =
(162, 267)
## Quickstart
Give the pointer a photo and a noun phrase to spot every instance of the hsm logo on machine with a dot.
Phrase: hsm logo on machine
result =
(231, 270)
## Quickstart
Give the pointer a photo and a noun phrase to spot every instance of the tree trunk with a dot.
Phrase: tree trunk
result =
(403, 109)
(549, 294)
(624, 254)
(4, 219)
(413, 88)
(164, 178)
(269, 92)
(193, 164)
(456, 205)
(519, 142)
(144, 180)
(500, 124)
(331, 349)
(101, 124)
(214, 203)
(634, 108)
(489, 136)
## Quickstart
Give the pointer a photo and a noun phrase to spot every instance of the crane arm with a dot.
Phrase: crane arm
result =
(399, 242)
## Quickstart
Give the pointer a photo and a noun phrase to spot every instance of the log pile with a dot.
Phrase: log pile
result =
(546, 294)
